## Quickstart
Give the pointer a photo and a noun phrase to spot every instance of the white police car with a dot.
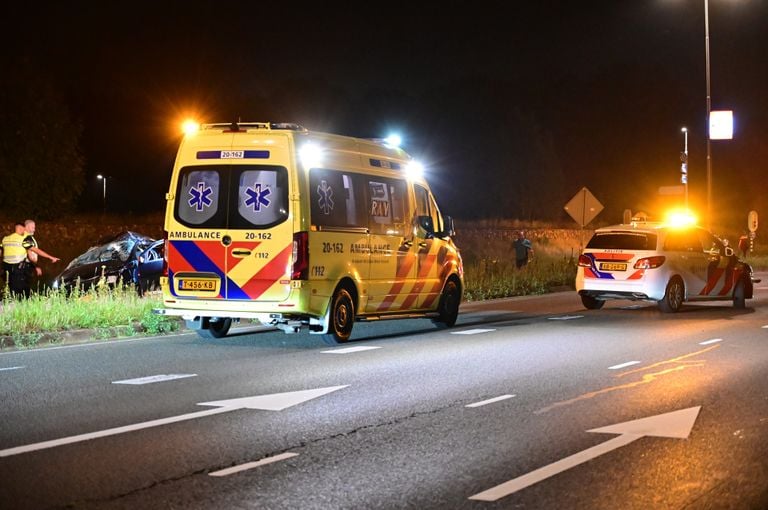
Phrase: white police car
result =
(660, 262)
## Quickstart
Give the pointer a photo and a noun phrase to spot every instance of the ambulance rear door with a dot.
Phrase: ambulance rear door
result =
(236, 241)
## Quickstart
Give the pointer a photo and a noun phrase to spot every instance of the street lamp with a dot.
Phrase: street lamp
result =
(103, 178)
(684, 165)
(709, 110)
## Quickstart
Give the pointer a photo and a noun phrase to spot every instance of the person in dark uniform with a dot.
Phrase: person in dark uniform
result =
(34, 252)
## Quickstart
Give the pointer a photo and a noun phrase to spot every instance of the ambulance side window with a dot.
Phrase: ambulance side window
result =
(427, 212)
(198, 197)
(387, 206)
(262, 197)
(337, 199)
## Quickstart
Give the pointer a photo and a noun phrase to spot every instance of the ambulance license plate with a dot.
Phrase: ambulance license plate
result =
(612, 266)
(197, 285)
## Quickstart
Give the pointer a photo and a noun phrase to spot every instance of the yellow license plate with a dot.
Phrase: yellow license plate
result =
(612, 266)
(197, 285)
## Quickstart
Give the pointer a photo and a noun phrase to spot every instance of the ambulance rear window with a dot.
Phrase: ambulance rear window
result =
(232, 196)
(623, 241)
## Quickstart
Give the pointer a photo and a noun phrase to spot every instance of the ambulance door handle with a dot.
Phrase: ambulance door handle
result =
(407, 243)
(422, 244)
(241, 253)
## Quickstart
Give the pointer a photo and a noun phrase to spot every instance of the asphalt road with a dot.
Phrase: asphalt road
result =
(494, 413)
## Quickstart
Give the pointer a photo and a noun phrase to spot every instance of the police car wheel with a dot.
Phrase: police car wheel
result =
(216, 329)
(739, 295)
(342, 317)
(449, 304)
(673, 296)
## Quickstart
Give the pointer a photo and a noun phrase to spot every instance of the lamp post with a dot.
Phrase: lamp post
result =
(709, 110)
(684, 165)
(103, 179)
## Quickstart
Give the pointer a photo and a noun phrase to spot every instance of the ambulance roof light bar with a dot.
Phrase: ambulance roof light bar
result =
(247, 126)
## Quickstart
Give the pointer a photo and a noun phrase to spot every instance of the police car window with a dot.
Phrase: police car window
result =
(387, 201)
(337, 199)
(623, 241)
(262, 197)
(198, 196)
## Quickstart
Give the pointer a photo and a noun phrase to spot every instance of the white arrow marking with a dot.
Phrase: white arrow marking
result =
(677, 424)
(154, 379)
(276, 402)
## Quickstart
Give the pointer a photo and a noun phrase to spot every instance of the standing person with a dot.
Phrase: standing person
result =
(34, 251)
(523, 249)
(15, 261)
(744, 245)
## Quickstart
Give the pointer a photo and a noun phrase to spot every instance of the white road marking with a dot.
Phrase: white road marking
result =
(623, 365)
(472, 331)
(713, 341)
(273, 402)
(348, 350)
(11, 368)
(490, 401)
(154, 379)
(566, 317)
(677, 424)
(251, 465)
(765, 327)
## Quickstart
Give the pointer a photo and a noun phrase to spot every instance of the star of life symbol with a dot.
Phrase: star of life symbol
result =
(257, 197)
(200, 196)
(325, 201)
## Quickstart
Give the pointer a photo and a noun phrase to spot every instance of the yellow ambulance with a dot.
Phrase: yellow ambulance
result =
(303, 229)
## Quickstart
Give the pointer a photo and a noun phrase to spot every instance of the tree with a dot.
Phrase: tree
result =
(41, 164)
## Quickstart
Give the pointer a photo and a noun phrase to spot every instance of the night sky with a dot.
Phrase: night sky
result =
(608, 83)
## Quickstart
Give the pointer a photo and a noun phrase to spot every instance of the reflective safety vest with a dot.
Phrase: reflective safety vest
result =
(14, 250)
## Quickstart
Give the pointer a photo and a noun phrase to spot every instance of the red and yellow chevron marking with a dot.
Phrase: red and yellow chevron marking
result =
(436, 260)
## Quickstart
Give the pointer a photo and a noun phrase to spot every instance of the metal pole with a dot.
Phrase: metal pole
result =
(709, 109)
(105, 193)
(685, 132)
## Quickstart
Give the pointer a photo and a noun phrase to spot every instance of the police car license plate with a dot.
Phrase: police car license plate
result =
(197, 285)
(612, 266)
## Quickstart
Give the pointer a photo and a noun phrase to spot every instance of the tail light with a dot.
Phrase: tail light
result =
(165, 254)
(585, 261)
(650, 262)
(300, 270)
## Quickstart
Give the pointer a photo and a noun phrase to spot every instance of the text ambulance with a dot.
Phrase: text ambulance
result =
(297, 228)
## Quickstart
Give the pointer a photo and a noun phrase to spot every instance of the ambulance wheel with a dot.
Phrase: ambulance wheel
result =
(739, 295)
(449, 304)
(342, 317)
(591, 303)
(216, 329)
(673, 296)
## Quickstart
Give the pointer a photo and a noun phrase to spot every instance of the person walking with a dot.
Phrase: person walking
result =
(523, 250)
(15, 261)
(34, 251)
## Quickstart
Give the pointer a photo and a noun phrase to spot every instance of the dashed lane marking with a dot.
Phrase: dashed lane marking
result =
(713, 341)
(251, 465)
(566, 317)
(472, 331)
(348, 350)
(154, 379)
(490, 401)
(624, 365)
(6, 369)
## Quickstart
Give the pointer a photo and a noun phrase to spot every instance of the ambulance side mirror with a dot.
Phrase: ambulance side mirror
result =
(450, 231)
(425, 223)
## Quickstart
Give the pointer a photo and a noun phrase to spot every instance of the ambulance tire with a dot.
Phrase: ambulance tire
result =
(739, 295)
(216, 329)
(448, 308)
(342, 317)
(673, 296)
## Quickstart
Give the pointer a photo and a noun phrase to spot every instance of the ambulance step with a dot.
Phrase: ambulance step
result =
(371, 318)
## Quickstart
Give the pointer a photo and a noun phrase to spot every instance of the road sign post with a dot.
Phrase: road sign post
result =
(583, 208)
